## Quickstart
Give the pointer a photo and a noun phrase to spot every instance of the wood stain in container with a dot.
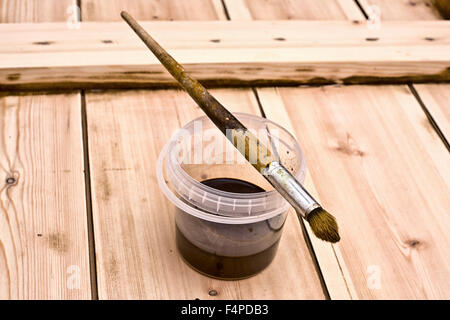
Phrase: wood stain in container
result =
(223, 234)
(228, 251)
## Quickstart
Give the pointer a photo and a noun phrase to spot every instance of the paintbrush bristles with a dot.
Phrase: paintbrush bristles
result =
(324, 225)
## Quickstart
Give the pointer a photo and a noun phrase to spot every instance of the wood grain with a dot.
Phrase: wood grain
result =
(327, 255)
(34, 10)
(435, 98)
(50, 56)
(43, 233)
(134, 222)
(293, 10)
(403, 9)
(390, 196)
(94, 10)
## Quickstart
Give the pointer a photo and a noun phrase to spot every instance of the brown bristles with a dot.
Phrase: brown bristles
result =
(324, 225)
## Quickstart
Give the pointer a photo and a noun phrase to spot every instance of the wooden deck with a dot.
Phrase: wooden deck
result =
(81, 213)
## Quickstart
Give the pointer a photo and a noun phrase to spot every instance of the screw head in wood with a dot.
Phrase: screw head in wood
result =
(213, 293)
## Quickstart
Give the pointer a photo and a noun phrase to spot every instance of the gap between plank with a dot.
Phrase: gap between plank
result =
(430, 117)
(225, 9)
(342, 272)
(79, 9)
(87, 183)
(362, 9)
(304, 232)
(261, 109)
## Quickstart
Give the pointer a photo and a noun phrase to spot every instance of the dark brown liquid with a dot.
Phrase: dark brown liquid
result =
(232, 185)
(237, 265)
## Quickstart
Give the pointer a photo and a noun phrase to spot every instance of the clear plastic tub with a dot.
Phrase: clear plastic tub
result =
(223, 234)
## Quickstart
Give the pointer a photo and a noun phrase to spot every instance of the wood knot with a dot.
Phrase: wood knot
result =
(112, 268)
(349, 151)
(12, 179)
(413, 243)
(429, 38)
(43, 43)
(58, 241)
(349, 148)
(372, 39)
(251, 68)
(215, 40)
(279, 39)
(104, 189)
(13, 76)
(107, 41)
(305, 69)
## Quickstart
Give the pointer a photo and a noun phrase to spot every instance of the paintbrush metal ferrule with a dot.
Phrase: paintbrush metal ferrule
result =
(288, 186)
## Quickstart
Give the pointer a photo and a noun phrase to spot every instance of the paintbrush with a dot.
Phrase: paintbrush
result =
(322, 223)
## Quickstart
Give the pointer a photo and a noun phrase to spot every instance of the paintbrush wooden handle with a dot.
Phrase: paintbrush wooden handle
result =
(221, 117)
(253, 150)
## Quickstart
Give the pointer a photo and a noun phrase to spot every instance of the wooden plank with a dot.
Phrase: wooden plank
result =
(52, 56)
(34, 10)
(435, 98)
(293, 10)
(390, 196)
(94, 10)
(43, 233)
(402, 9)
(97, 37)
(134, 222)
(327, 254)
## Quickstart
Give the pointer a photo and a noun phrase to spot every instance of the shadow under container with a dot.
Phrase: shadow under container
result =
(228, 218)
